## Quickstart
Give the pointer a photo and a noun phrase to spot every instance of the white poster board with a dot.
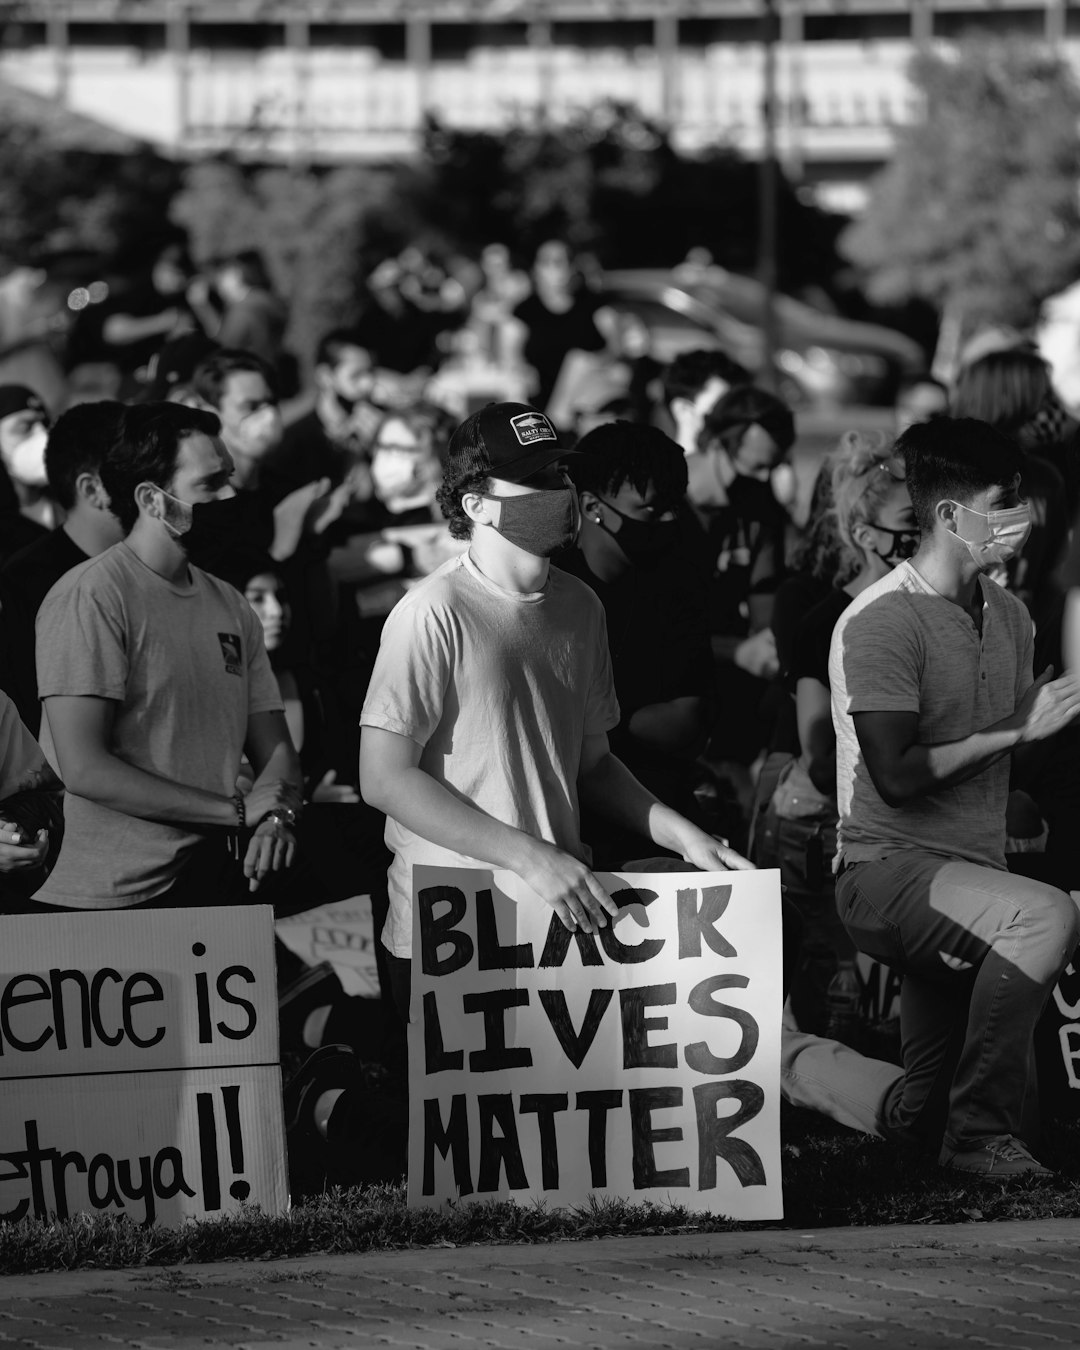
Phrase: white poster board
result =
(139, 1064)
(642, 1062)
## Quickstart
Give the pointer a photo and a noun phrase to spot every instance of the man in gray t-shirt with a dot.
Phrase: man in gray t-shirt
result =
(932, 696)
(155, 682)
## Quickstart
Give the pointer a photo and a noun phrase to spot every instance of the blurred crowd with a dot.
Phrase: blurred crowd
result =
(721, 573)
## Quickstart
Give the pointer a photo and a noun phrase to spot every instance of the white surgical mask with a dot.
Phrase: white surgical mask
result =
(785, 485)
(260, 431)
(1006, 534)
(26, 463)
(394, 472)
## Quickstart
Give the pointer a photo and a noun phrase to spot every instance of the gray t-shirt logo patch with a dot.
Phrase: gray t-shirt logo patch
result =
(532, 427)
(231, 651)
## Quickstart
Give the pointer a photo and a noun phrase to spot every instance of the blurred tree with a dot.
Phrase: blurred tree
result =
(69, 184)
(610, 182)
(978, 211)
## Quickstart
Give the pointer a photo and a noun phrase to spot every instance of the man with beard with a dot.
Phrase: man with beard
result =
(155, 682)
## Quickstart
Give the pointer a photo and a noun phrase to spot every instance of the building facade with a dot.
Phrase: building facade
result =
(343, 79)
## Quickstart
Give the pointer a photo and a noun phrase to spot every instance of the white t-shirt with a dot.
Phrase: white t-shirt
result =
(500, 690)
(900, 646)
(187, 667)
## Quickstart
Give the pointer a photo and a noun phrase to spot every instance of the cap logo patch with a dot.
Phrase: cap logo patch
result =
(531, 427)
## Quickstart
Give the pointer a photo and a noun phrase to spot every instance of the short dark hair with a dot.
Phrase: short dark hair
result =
(743, 407)
(145, 451)
(212, 374)
(955, 458)
(333, 344)
(78, 443)
(456, 483)
(621, 452)
(690, 372)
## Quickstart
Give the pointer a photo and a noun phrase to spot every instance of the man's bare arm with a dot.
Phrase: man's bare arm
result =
(392, 781)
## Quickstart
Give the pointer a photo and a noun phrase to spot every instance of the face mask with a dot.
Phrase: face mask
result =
(217, 525)
(785, 486)
(394, 473)
(260, 431)
(205, 527)
(905, 544)
(26, 463)
(1006, 534)
(643, 541)
(541, 523)
(176, 515)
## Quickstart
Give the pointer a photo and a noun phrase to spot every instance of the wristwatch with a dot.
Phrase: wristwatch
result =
(283, 815)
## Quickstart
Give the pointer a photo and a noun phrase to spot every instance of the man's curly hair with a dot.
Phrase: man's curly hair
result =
(449, 498)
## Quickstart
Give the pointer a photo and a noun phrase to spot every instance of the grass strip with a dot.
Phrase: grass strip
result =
(830, 1178)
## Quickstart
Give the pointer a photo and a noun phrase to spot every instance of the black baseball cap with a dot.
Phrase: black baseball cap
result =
(506, 440)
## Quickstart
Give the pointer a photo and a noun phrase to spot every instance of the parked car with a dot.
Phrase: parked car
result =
(822, 359)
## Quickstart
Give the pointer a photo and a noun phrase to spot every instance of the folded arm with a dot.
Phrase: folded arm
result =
(903, 769)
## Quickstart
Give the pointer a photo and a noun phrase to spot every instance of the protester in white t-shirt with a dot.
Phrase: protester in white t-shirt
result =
(155, 682)
(491, 699)
(932, 695)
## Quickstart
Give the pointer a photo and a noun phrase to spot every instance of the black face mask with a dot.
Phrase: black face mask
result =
(905, 544)
(645, 542)
(220, 526)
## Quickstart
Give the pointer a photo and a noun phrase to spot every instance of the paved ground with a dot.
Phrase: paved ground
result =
(1013, 1285)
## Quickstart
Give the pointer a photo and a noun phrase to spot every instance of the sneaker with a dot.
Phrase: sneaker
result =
(1005, 1156)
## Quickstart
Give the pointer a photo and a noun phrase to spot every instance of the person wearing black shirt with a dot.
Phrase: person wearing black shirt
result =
(76, 446)
(744, 444)
(333, 439)
(558, 318)
(631, 481)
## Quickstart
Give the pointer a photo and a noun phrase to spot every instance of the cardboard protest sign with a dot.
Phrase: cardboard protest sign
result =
(641, 1062)
(1057, 1047)
(139, 1064)
(342, 933)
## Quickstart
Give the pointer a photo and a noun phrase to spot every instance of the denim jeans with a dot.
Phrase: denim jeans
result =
(981, 951)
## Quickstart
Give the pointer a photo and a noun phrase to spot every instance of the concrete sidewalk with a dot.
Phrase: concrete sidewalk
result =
(1013, 1285)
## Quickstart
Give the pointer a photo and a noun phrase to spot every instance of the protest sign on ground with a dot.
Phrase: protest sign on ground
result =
(341, 933)
(640, 1062)
(139, 1062)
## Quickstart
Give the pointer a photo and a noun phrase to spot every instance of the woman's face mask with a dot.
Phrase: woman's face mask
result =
(1003, 535)
(903, 544)
(25, 459)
